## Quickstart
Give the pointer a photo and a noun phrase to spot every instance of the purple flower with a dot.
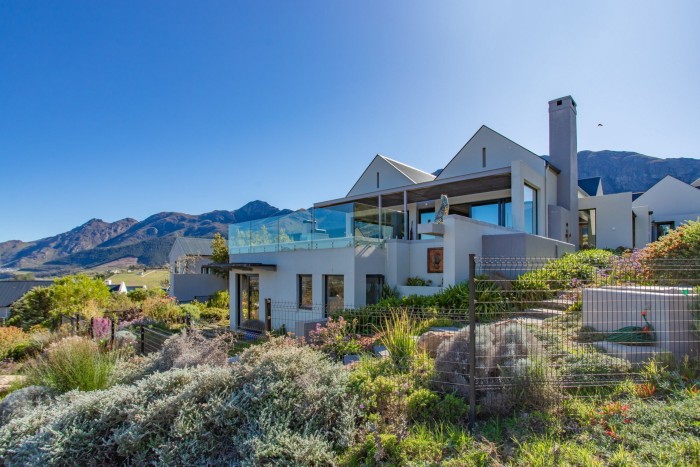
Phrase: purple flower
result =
(362, 406)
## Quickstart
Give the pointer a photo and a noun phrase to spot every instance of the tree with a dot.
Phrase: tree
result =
(219, 252)
(72, 293)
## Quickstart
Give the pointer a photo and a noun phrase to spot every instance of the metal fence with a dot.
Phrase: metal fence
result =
(543, 328)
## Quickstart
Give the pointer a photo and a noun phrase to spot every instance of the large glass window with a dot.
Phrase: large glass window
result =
(305, 291)
(250, 300)
(662, 228)
(587, 228)
(373, 291)
(530, 202)
(497, 212)
(426, 216)
(334, 293)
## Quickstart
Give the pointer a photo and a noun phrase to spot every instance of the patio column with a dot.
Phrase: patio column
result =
(379, 209)
(405, 215)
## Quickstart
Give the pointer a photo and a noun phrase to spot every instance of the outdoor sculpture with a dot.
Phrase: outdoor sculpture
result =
(443, 210)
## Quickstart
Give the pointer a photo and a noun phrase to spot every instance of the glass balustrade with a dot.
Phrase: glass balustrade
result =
(339, 226)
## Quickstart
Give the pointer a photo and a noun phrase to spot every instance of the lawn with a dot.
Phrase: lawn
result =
(152, 278)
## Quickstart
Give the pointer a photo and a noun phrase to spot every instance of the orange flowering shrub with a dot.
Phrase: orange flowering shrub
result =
(12, 339)
(680, 243)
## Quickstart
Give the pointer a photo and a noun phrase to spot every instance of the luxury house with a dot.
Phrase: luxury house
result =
(504, 201)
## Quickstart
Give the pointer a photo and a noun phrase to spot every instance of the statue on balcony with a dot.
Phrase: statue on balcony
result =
(443, 210)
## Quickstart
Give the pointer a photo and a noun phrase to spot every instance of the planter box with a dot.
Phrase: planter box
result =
(668, 311)
(406, 290)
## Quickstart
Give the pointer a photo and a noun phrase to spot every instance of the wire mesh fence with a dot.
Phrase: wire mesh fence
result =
(543, 328)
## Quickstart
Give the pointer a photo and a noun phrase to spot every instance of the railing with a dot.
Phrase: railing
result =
(342, 226)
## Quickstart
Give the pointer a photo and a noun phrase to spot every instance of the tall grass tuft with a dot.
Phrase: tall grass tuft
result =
(73, 363)
(399, 337)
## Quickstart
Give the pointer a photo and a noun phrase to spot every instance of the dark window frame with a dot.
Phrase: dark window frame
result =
(300, 292)
(380, 285)
(326, 306)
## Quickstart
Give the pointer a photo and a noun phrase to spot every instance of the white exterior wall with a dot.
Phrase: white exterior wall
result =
(389, 177)
(642, 226)
(671, 200)
(282, 285)
(500, 152)
(463, 237)
(613, 219)
(185, 287)
(520, 175)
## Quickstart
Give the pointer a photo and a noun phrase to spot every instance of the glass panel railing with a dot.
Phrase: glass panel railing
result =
(339, 226)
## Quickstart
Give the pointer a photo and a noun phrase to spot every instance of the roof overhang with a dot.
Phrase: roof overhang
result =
(247, 267)
(481, 182)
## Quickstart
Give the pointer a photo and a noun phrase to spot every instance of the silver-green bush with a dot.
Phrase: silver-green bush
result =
(280, 404)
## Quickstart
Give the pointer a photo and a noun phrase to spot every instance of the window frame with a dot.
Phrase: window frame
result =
(300, 292)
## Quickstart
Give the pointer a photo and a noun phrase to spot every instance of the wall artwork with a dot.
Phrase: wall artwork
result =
(435, 257)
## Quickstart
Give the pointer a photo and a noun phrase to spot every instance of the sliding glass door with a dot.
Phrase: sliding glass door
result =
(249, 304)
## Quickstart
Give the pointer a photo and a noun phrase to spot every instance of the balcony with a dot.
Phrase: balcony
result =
(341, 226)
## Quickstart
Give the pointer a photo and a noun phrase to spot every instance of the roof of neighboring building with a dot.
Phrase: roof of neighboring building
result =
(191, 246)
(696, 183)
(11, 291)
(590, 185)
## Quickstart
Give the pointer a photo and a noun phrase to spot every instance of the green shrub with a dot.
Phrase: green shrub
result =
(281, 404)
(212, 314)
(424, 405)
(418, 281)
(220, 299)
(335, 339)
(398, 336)
(141, 294)
(190, 309)
(73, 363)
(13, 342)
(34, 308)
(560, 274)
(162, 310)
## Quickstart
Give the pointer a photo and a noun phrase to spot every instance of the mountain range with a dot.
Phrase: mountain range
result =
(148, 242)
(98, 242)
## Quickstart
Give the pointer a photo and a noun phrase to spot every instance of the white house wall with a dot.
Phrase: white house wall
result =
(613, 219)
(187, 287)
(463, 237)
(671, 200)
(500, 152)
(642, 226)
(389, 177)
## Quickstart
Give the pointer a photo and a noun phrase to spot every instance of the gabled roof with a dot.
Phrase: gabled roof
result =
(696, 183)
(684, 194)
(415, 175)
(191, 246)
(392, 174)
(506, 148)
(590, 185)
(11, 291)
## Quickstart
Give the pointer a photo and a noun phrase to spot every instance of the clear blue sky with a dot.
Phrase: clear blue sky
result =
(124, 109)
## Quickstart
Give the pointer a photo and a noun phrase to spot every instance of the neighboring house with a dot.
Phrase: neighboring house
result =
(11, 291)
(671, 202)
(504, 201)
(187, 258)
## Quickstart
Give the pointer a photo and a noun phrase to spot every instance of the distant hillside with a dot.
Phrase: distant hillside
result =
(97, 242)
(629, 171)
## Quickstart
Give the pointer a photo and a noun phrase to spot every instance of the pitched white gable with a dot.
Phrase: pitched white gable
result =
(671, 196)
(500, 152)
(384, 173)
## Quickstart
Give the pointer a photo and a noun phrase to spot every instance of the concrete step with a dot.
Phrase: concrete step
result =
(559, 303)
(541, 313)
